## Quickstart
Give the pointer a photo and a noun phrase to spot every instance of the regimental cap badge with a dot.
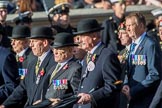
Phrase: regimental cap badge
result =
(122, 26)
(63, 7)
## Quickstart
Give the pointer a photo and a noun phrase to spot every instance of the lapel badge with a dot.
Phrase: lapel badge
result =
(90, 66)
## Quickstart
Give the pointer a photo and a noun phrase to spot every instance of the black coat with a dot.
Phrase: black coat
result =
(6, 31)
(27, 58)
(72, 74)
(28, 87)
(99, 83)
(110, 33)
(8, 73)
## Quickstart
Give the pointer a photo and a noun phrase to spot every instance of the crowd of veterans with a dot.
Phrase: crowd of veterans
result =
(116, 64)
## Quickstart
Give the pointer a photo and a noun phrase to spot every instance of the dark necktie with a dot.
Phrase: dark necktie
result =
(132, 48)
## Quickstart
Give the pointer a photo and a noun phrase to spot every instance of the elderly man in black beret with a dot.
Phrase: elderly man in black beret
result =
(20, 45)
(30, 87)
(101, 69)
(61, 18)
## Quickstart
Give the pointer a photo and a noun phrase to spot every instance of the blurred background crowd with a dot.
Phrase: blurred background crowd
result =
(37, 5)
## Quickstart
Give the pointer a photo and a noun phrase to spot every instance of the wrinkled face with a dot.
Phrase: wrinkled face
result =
(62, 19)
(18, 45)
(37, 46)
(124, 37)
(132, 27)
(62, 54)
(79, 53)
(86, 42)
(119, 8)
(160, 33)
(3, 14)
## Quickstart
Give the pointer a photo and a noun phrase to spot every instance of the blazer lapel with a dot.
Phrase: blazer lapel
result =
(43, 65)
(27, 52)
(97, 52)
(140, 47)
(62, 70)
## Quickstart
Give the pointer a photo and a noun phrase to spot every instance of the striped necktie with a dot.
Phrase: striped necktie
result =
(37, 66)
(55, 71)
(88, 57)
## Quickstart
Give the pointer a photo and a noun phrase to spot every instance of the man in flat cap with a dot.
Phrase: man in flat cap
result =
(6, 30)
(9, 77)
(30, 87)
(110, 32)
(61, 18)
(64, 78)
(20, 45)
(101, 69)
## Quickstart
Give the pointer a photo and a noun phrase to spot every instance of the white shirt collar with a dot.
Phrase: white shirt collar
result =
(64, 63)
(22, 52)
(138, 41)
(42, 57)
(95, 47)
